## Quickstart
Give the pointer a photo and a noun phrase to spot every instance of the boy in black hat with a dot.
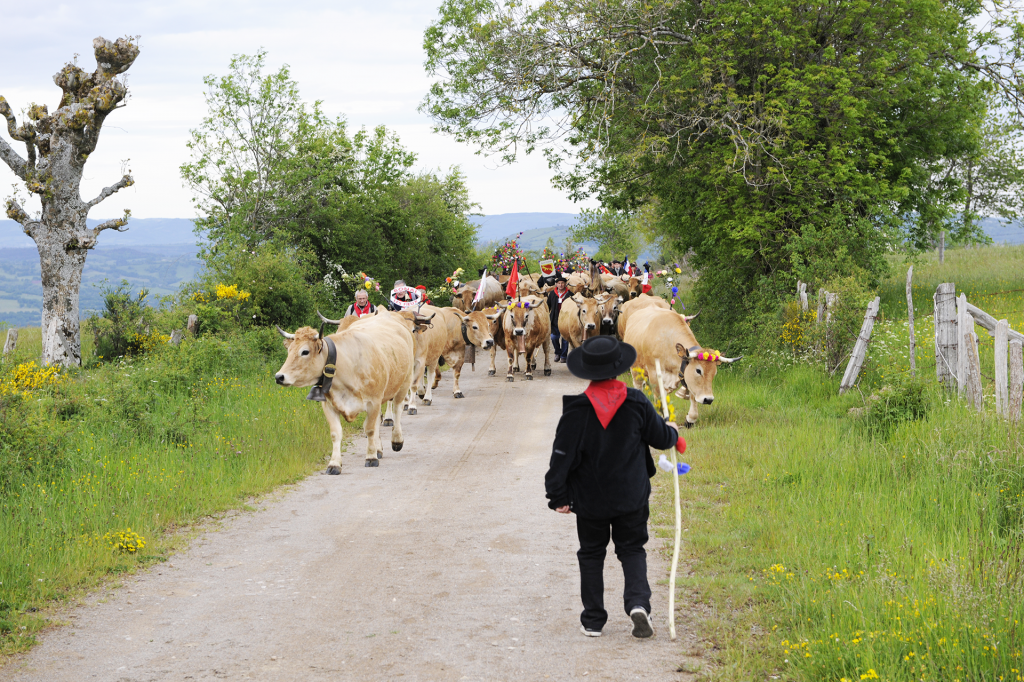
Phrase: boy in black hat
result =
(600, 470)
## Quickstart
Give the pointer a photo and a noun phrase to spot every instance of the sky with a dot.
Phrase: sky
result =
(364, 60)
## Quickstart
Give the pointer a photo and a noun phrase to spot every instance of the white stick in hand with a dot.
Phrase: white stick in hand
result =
(679, 515)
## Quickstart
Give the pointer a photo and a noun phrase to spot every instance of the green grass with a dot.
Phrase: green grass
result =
(821, 547)
(149, 445)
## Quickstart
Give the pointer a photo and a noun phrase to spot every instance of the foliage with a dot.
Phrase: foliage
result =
(267, 168)
(903, 400)
(796, 325)
(26, 377)
(506, 255)
(777, 142)
(125, 326)
(617, 233)
(127, 541)
(571, 258)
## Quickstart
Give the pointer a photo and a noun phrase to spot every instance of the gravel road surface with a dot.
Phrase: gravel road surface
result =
(444, 563)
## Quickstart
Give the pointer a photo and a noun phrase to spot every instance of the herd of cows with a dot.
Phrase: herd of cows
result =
(390, 358)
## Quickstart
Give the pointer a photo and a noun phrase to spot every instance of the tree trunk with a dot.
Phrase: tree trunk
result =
(62, 277)
(942, 247)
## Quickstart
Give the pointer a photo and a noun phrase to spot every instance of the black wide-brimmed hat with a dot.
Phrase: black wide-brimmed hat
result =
(601, 357)
(559, 277)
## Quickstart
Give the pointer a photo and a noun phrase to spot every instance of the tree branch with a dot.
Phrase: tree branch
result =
(118, 224)
(126, 181)
(17, 213)
(7, 153)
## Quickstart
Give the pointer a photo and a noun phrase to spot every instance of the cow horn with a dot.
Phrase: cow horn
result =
(724, 359)
(284, 333)
(691, 317)
(327, 320)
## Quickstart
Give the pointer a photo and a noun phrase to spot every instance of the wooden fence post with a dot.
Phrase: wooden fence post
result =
(945, 334)
(910, 320)
(192, 323)
(175, 337)
(1016, 354)
(12, 341)
(821, 306)
(860, 349)
(801, 290)
(1002, 337)
(964, 326)
(972, 387)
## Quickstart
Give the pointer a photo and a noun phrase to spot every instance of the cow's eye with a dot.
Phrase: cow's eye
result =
(475, 327)
(699, 371)
(304, 352)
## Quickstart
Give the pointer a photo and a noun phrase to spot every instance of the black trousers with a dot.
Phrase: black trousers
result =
(629, 532)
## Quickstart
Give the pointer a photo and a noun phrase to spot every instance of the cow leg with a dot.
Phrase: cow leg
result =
(456, 362)
(437, 375)
(511, 361)
(492, 370)
(397, 438)
(548, 349)
(421, 383)
(410, 404)
(334, 423)
(389, 414)
(428, 388)
(530, 364)
(691, 416)
(373, 448)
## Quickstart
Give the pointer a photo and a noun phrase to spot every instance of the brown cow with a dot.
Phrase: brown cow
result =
(608, 308)
(527, 327)
(666, 336)
(373, 364)
(635, 286)
(493, 293)
(579, 283)
(639, 303)
(495, 319)
(463, 329)
(578, 320)
(614, 284)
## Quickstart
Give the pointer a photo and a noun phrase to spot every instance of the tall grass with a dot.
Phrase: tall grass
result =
(147, 445)
(827, 548)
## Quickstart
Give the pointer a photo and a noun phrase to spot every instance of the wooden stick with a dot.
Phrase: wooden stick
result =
(1002, 394)
(910, 317)
(679, 515)
(860, 349)
(1016, 353)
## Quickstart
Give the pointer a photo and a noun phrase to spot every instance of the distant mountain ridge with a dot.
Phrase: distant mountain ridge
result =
(140, 232)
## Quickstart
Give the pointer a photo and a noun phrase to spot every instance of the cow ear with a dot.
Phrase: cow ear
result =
(681, 351)
(287, 342)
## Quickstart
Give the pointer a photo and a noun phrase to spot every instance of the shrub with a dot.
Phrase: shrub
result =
(125, 325)
(903, 400)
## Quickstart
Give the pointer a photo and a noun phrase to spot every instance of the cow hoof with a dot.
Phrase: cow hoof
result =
(529, 377)
(412, 410)
(510, 378)
(491, 372)
(689, 424)
(547, 372)
(333, 470)
(459, 395)
(405, 408)
(388, 422)
(397, 446)
(427, 401)
(372, 463)
(515, 369)
(380, 454)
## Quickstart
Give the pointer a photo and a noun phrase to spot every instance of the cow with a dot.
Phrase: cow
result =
(578, 320)
(613, 284)
(635, 285)
(664, 335)
(495, 325)
(578, 283)
(493, 293)
(373, 364)
(464, 329)
(528, 286)
(527, 327)
(608, 308)
(639, 303)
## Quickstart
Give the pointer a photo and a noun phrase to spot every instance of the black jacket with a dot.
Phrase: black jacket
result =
(603, 473)
(555, 307)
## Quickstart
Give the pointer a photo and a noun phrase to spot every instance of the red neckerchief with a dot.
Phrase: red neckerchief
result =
(607, 397)
(361, 311)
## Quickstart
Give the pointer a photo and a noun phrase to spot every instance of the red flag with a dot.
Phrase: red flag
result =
(513, 280)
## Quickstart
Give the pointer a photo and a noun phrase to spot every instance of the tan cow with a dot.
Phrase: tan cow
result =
(608, 308)
(639, 303)
(578, 283)
(463, 329)
(635, 286)
(494, 292)
(373, 364)
(578, 320)
(495, 319)
(614, 284)
(666, 336)
(527, 327)
(528, 286)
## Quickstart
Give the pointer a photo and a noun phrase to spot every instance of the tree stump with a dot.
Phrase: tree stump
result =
(192, 324)
(175, 337)
(12, 341)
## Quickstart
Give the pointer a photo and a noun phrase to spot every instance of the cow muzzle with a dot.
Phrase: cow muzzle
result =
(519, 331)
(280, 379)
(590, 325)
(708, 400)
(488, 343)
(606, 320)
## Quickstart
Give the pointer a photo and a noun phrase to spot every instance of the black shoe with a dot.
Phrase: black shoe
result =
(642, 627)
(588, 632)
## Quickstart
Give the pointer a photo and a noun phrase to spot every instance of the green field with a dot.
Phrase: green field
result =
(136, 448)
(824, 546)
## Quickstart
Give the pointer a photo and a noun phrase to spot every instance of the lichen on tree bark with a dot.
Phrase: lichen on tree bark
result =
(57, 146)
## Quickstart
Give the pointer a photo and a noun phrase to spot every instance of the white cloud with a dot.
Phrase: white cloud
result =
(363, 60)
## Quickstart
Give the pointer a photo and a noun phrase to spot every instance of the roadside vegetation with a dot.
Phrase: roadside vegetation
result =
(885, 543)
(101, 466)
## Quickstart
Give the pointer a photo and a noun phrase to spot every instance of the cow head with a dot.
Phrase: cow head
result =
(519, 318)
(476, 328)
(527, 287)
(609, 307)
(588, 314)
(698, 371)
(463, 300)
(306, 358)
(413, 321)
(635, 287)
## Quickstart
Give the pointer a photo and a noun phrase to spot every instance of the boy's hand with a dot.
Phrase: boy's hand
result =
(673, 425)
(563, 510)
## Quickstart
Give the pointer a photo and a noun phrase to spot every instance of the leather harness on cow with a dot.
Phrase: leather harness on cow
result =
(690, 352)
(322, 387)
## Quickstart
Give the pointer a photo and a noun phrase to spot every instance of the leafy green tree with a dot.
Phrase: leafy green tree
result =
(780, 141)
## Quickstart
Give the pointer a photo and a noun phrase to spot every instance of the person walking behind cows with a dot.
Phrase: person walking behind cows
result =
(362, 306)
(600, 470)
(555, 298)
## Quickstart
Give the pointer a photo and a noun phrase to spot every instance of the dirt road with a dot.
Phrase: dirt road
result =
(444, 563)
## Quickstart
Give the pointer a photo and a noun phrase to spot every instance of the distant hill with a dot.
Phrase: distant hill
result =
(498, 227)
(1009, 234)
(140, 232)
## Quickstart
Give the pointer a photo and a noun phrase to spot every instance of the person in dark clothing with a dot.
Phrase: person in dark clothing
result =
(555, 298)
(616, 268)
(600, 470)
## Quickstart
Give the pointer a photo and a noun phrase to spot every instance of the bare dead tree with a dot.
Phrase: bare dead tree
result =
(57, 146)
